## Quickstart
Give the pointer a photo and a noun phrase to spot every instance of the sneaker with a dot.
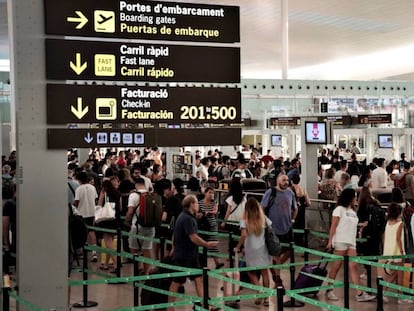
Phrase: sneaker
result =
(385, 299)
(405, 301)
(330, 295)
(94, 257)
(363, 276)
(364, 297)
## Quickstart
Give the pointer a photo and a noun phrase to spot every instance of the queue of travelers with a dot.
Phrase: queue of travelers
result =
(353, 189)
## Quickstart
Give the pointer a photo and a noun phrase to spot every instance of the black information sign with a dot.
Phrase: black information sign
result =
(142, 104)
(284, 121)
(374, 118)
(92, 138)
(150, 20)
(84, 60)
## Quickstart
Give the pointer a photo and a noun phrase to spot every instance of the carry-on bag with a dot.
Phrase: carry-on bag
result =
(306, 281)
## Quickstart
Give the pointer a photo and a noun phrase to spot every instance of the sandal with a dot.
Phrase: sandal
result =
(266, 302)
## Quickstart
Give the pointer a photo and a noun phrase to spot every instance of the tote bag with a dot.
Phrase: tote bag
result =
(106, 212)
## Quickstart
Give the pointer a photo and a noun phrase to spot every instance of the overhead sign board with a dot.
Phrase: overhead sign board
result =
(92, 138)
(284, 121)
(123, 61)
(142, 104)
(374, 118)
(149, 20)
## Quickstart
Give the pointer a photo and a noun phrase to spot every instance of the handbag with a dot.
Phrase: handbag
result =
(272, 242)
(106, 212)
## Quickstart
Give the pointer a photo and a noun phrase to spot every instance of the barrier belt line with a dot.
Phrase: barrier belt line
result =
(378, 257)
(101, 229)
(157, 306)
(325, 235)
(129, 279)
(363, 288)
(325, 279)
(25, 302)
(318, 253)
(381, 265)
(268, 291)
(398, 287)
(200, 308)
(397, 295)
(299, 231)
(239, 297)
(168, 293)
(317, 303)
(311, 289)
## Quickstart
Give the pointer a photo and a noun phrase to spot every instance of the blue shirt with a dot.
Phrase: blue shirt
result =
(280, 213)
(185, 225)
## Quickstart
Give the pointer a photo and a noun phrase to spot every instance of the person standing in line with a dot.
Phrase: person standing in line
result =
(281, 208)
(185, 246)
(302, 201)
(342, 239)
(85, 200)
(252, 226)
(394, 246)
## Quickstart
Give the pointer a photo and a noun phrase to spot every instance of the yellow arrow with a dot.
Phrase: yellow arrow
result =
(79, 112)
(78, 68)
(81, 19)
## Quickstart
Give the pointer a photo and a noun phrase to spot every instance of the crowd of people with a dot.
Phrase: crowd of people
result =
(351, 190)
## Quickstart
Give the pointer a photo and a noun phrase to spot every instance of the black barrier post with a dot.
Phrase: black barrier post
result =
(280, 292)
(162, 248)
(6, 299)
(292, 303)
(118, 250)
(85, 303)
(230, 242)
(369, 276)
(196, 304)
(346, 281)
(380, 294)
(205, 288)
(136, 289)
(306, 242)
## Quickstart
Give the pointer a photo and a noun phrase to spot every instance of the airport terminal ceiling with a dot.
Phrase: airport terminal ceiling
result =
(328, 40)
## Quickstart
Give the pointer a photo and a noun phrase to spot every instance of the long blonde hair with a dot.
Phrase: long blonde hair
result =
(254, 216)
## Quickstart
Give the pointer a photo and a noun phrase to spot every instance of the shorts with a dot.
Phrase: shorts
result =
(89, 221)
(339, 246)
(148, 232)
(286, 239)
(188, 263)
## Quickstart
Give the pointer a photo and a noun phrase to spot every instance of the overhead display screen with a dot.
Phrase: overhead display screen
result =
(149, 20)
(115, 61)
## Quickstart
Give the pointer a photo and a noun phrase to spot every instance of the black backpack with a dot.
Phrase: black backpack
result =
(376, 221)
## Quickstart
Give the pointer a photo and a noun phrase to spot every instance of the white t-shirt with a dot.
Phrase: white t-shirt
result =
(86, 195)
(379, 178)
(133, 200)
(347, 226)
(238, 213)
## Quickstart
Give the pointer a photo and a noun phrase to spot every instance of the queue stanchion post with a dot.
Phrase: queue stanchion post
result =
(306, 242)
(85, 303)
(206, 293)
(231, 263)
(369, 276)
(136, 289)
(380, 294)
(118, 251)
(280, 292)
(292, 303)
(162, 248)
(6, 289)
(346, 281)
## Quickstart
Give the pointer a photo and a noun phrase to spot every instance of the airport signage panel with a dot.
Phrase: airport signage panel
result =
(93, 138)
(285, 121)
(123, 61)
(149, 20)
(374, 118)
(142, 104)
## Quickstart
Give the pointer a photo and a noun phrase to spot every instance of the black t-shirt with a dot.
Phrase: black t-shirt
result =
(185, 225)
(173, 206)
(9, 209)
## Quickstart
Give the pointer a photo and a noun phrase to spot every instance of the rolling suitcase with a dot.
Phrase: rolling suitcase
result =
(306, 281)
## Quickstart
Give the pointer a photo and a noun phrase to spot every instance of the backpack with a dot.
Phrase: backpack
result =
(150, 209)
(271, 201)
(400, 183)
(218, 172)
(376, 221)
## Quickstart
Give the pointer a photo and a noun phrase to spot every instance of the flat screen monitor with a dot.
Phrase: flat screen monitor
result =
(315, 132)
(385, 141)
(276, 140)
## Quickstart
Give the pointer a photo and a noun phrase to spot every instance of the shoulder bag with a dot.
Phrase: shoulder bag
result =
(272, 241)
(106, 212)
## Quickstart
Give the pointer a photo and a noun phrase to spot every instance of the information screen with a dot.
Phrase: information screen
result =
(385, 141)
(276, 140)
(315, 132)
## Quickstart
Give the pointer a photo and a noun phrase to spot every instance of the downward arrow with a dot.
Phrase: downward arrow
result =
(81, 20)
(88, 138)
(78, 68)
(79, 112)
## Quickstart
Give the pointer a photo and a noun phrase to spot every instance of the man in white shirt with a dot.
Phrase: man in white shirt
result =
(139, 172)
(85, 200)
(379, 175)
(338, 174)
